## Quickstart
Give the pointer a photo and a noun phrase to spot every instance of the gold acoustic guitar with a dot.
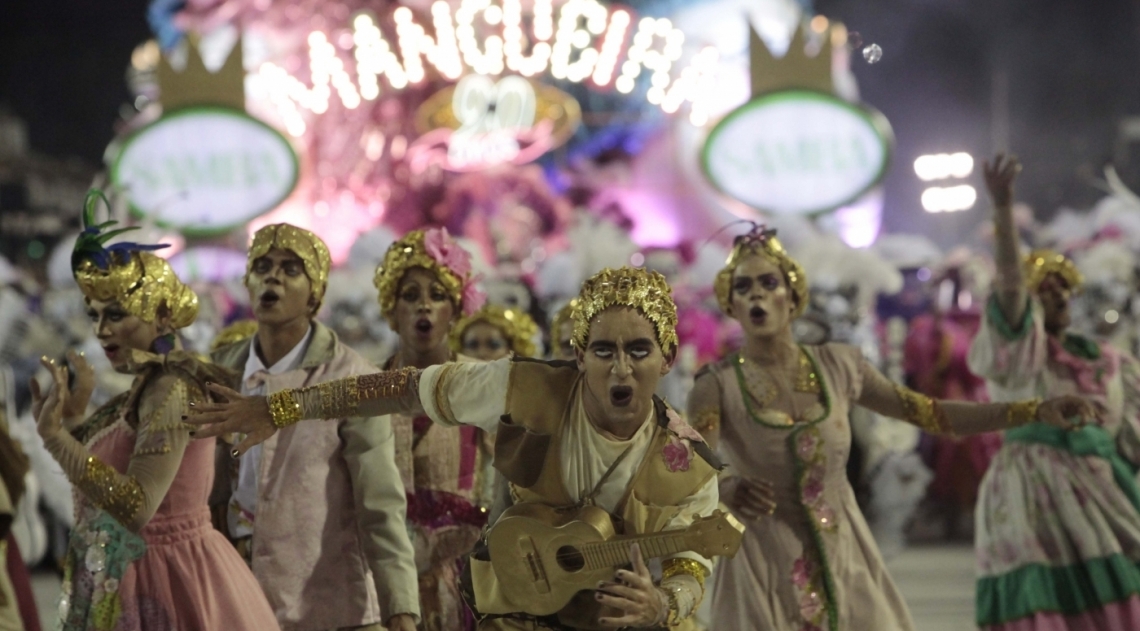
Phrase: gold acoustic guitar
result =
(543, 557)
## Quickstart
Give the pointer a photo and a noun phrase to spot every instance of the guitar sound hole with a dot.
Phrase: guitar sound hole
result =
(570, 559)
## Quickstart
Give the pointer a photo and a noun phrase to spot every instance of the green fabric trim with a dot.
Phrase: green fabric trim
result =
(1081, 346)
(997, 318)
(1068, 590)
(1090, 440)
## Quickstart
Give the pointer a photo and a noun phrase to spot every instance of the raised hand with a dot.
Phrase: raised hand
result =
(48, 409)
(634, 594)
(1000, 176)
(235, 413)
(1067, 412)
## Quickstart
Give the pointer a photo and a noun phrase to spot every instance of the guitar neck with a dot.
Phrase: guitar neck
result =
(615, 552)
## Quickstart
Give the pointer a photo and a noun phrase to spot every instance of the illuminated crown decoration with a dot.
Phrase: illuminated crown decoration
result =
(796, 69)
(196, 85)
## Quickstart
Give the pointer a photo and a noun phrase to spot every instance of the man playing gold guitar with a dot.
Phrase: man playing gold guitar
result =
(572, 438)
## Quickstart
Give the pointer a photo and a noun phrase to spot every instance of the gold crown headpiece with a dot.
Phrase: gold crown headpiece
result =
(561, 317)
(313, 252)
(435, 251)
(1041, 263)
(761, 240)
(646, 291)
(517, 326)
(128, 273)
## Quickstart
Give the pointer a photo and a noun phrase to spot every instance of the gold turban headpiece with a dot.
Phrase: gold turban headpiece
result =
(128, 273)
(312, 251)
(517, 326)
(762, 241)
(1041, 263)
(434, 250)
(647, 292)
(234, 333)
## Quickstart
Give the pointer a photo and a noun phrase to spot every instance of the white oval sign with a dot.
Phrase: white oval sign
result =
(798, 152)
(205, 170)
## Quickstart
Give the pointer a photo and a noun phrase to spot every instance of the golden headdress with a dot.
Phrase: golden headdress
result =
(313, 252)
(1041, 263)
(646, 291)
(517, 326)
(763, 241)
(128, 273)
(434, 250)
(564, 315)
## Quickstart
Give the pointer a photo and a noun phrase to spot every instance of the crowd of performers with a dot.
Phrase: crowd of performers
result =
(287, 482)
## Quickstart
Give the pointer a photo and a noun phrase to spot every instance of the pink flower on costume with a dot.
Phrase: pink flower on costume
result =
(441, 247)
(813, 488)
(802, 570)
(811, 605)
(473, 299)
(676, 454)
(678, 426)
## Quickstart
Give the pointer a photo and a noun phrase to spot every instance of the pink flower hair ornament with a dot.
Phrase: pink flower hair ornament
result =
(436, 251)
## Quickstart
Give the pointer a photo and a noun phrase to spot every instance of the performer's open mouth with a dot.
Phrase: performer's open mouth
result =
(621, 396)
(423, 326)
(758, 315)
(268, 299)
(110, 349)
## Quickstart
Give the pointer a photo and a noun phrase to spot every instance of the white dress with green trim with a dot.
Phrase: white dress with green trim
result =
(812, 565)
(1058, 515)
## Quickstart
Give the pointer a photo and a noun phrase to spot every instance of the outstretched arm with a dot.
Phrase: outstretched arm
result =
(961, 417)
(1010, 282)
(472, 393)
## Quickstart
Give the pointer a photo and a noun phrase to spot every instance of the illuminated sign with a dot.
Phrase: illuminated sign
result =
(204, 170)
(481, 123)
(798, 152)
(585, 42)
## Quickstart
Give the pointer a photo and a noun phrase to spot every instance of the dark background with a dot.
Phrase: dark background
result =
(1073, 69)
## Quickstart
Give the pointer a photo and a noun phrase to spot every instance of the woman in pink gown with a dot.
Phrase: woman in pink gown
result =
(143, 554)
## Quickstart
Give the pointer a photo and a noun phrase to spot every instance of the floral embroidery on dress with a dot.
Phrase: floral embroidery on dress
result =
(101, 550)
(808, 581)
(809, 450)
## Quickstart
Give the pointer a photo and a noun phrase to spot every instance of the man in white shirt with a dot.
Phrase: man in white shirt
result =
(318, 512)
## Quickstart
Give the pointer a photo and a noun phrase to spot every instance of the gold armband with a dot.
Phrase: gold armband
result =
(923, 411)
(680, 565)
(340, 398)
(1021, 412)
(284, 408)
(388, 384)
(121, 496)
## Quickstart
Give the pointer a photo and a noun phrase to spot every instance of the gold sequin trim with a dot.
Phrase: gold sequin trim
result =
(806, 378)
(442, 403)
(1021, 412)
(284, 408)
(923, 411)
(676, 566)
(387, 384)
(707, 421)
(121, 496)
(339, 399)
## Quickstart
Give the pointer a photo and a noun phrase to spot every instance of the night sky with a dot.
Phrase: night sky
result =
(1073, 68)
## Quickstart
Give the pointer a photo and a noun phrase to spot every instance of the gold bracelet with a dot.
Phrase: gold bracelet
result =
(1021, 413)
(283, 408)
(673, 615)
(680, 565)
